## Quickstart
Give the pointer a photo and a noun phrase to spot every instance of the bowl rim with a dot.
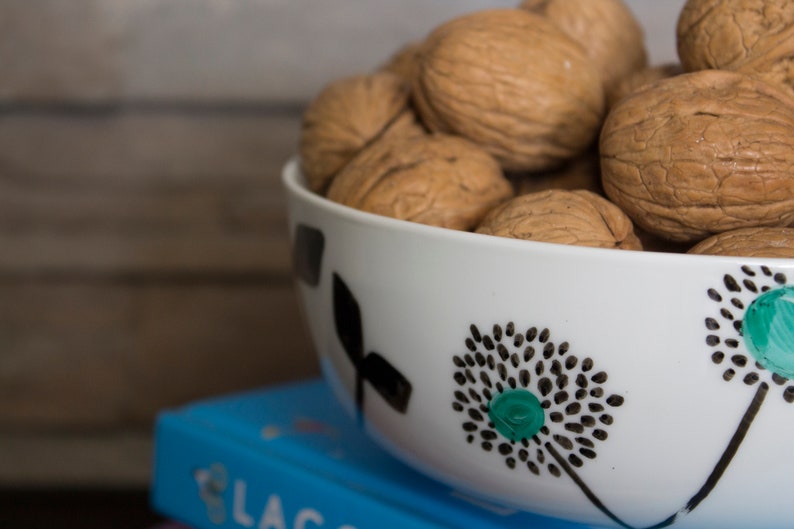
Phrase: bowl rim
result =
(295, 184)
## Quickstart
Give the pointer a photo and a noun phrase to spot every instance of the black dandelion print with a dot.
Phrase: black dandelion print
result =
(750, 332)
(532, 403)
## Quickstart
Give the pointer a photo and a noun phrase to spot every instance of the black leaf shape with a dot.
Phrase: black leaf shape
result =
(347, 318)
(307, 254)
(387, 381)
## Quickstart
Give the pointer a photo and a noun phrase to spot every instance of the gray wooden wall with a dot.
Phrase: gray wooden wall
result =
(143, 252)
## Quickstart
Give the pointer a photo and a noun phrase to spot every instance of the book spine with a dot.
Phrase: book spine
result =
(207, 481)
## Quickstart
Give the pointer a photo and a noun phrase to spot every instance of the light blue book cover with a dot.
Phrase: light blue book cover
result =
(289, 457)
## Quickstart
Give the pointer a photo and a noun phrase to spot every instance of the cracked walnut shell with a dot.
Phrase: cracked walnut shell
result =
(347, 115)
(512, 82)
(436, 179)
(576, 217)
(701, 153)
(749, 242)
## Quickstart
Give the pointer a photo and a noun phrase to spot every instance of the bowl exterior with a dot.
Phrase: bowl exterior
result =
(653, 408)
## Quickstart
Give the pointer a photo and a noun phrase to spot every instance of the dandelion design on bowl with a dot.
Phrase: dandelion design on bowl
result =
(533, 403)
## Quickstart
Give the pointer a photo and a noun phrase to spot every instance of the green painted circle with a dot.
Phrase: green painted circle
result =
(516, 414)
(768, 329)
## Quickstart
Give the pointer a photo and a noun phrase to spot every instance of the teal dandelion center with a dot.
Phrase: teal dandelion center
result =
(768, 330)
(516, 414)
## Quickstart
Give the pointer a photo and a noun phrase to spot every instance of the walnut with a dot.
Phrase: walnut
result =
(576, 217)
(582, 172)
(701, 153)
(347, 115)
(640, 78)
(749, 242)
(512, 82)
(607, 29)
(436, 179)
(404, 61)
(751, 36)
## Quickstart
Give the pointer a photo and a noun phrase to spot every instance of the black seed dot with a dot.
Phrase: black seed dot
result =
(546, 404)
(544, 430)
(469, 360)
(556, 367)
(540, 367)
(732, 343)
(713, 294)
(545, 386)
(548, 350)
(457, 406)
(529, 352)
(497, 333)
(475, 414)
(469, 438)
(486, 445)
(533, 468)
(563, 348)
(575, 460)
(587, 420)
(725, 313)
(573, 408)
(515, 360)
(459, 377)
(580, 394)
(589, 454)
(615, 400)
(504, 354)
(601, 435)
(554, 470)
(531, 333)
(505, 449)
(490, 361)
(712, 340)
(584, 441)
(540, 456)
(523, 377)
(469, 426)
(459, 395)
(728, 374)
(470, 376)
(479, 358)
(574, 427)
(485, 379)
(544, 336)
(523, 455)
(711, 324)
(474, 395)
(595, 407)
(571, 362)
(597, 393)
(488, 343)
(766, 270)
(502, 370)
(475, 333)
(606, 419)
(766, 288)
(599, 378)
(731, 284)
(788, 394)
(587, 364)
(736, 302)
(747, 270)
(560, 397)
(749, 285)
(484, 408)
(458, 361)
(758, 366)
(499, 387)
(511, 381)
(779, 380)
(718, 357)
(581, 380)
(510, 329)
(488, 435)
(471, 345)
(751, 378)
(487, 394)
(739, 360)
(556, 416)
(780, 278)
(510, 462)
(737, 325)
(562, 381)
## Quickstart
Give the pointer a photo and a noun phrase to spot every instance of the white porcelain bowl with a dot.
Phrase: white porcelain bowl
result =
(607, 387)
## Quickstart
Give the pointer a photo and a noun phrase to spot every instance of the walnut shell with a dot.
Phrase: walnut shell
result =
(582, 172)
(404, 61)
(512, 82)
(701, 153)
(577, 217)
(749, 242)
(755, 37)
(607, 29)
(437, 179)
(640, 78)
(347, 115)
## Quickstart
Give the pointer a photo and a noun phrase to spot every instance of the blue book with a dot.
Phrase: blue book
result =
(290, 457)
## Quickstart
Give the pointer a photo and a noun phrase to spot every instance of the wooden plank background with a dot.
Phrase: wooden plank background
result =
(143, 252)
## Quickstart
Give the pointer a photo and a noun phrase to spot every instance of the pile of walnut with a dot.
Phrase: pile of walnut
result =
(546, 122)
